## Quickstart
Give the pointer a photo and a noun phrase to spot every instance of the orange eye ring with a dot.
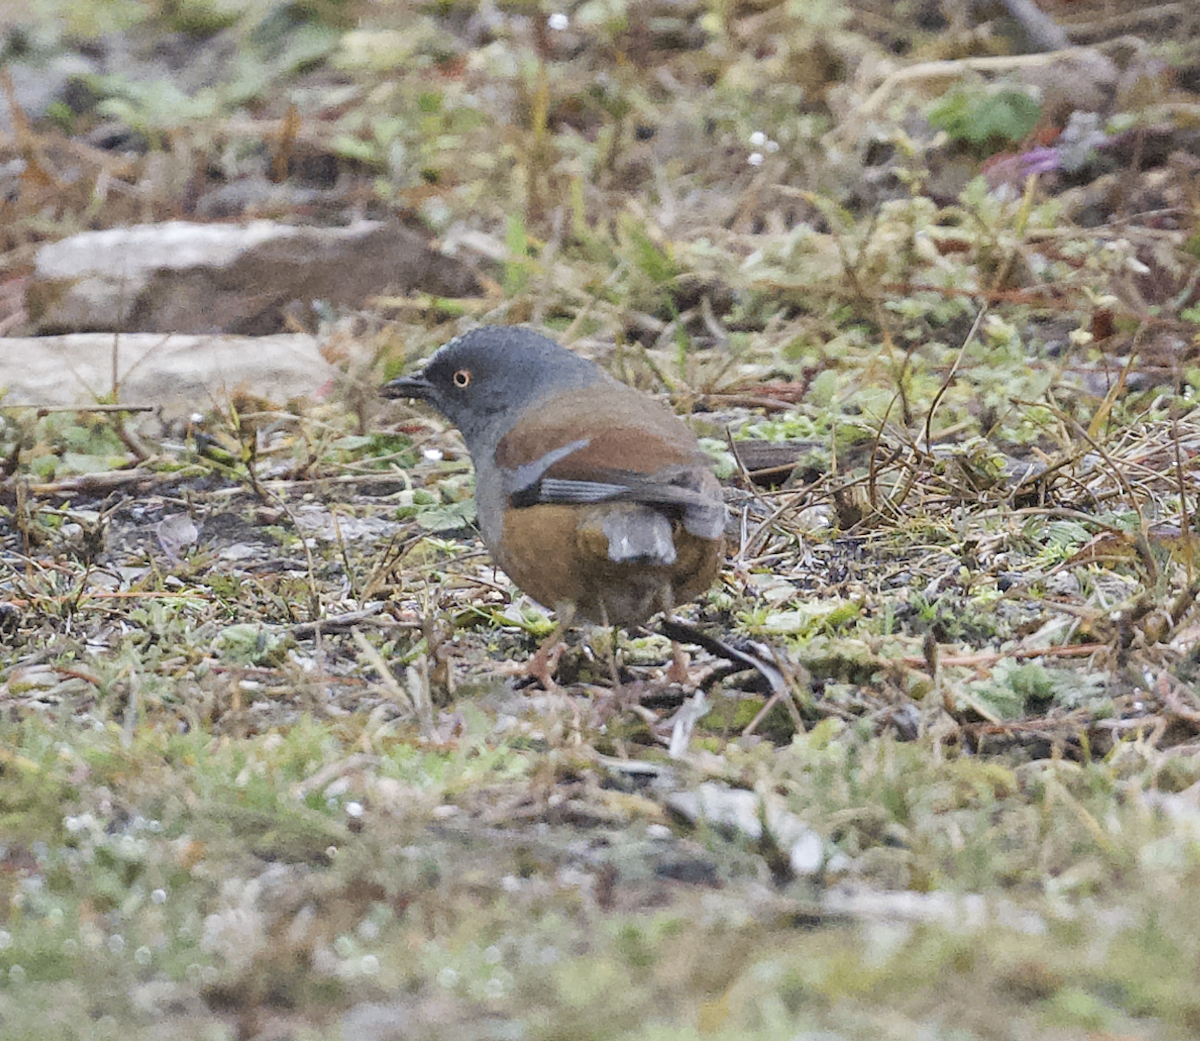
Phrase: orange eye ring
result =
(462, 378)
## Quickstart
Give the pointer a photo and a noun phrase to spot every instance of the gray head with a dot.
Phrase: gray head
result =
(484, 380)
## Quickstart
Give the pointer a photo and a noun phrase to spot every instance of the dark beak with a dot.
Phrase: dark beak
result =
(414, 386)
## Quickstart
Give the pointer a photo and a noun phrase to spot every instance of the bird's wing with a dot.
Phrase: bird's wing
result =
(637, 454)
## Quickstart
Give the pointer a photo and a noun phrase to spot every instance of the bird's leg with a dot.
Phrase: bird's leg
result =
(545, 659)
(613, 665)
(677, 671)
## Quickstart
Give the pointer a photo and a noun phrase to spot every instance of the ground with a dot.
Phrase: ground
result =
(929, 297)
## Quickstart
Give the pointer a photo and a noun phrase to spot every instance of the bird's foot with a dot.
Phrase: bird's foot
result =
(679, 670)
(544, 663)
(541, 666)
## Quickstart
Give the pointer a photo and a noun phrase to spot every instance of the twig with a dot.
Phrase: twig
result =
(1077, 650)
(951, 374)
(47, 409)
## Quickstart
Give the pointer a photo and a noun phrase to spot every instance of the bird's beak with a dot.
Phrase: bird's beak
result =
(414, 386)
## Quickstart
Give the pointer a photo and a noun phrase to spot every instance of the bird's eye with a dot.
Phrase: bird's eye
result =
(462, 378)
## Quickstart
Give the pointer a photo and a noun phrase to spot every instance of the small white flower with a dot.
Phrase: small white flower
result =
(494, 988)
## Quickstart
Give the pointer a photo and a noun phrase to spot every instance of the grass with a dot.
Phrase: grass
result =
(263, 774)
(989, 897)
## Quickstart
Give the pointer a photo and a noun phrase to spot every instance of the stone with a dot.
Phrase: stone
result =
(184, 277)
(179, 374)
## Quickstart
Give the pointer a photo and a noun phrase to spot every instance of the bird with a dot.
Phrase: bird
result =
(595, 499)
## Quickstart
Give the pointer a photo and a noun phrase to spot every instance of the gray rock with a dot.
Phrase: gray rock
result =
(182, 374)
(207, 278)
